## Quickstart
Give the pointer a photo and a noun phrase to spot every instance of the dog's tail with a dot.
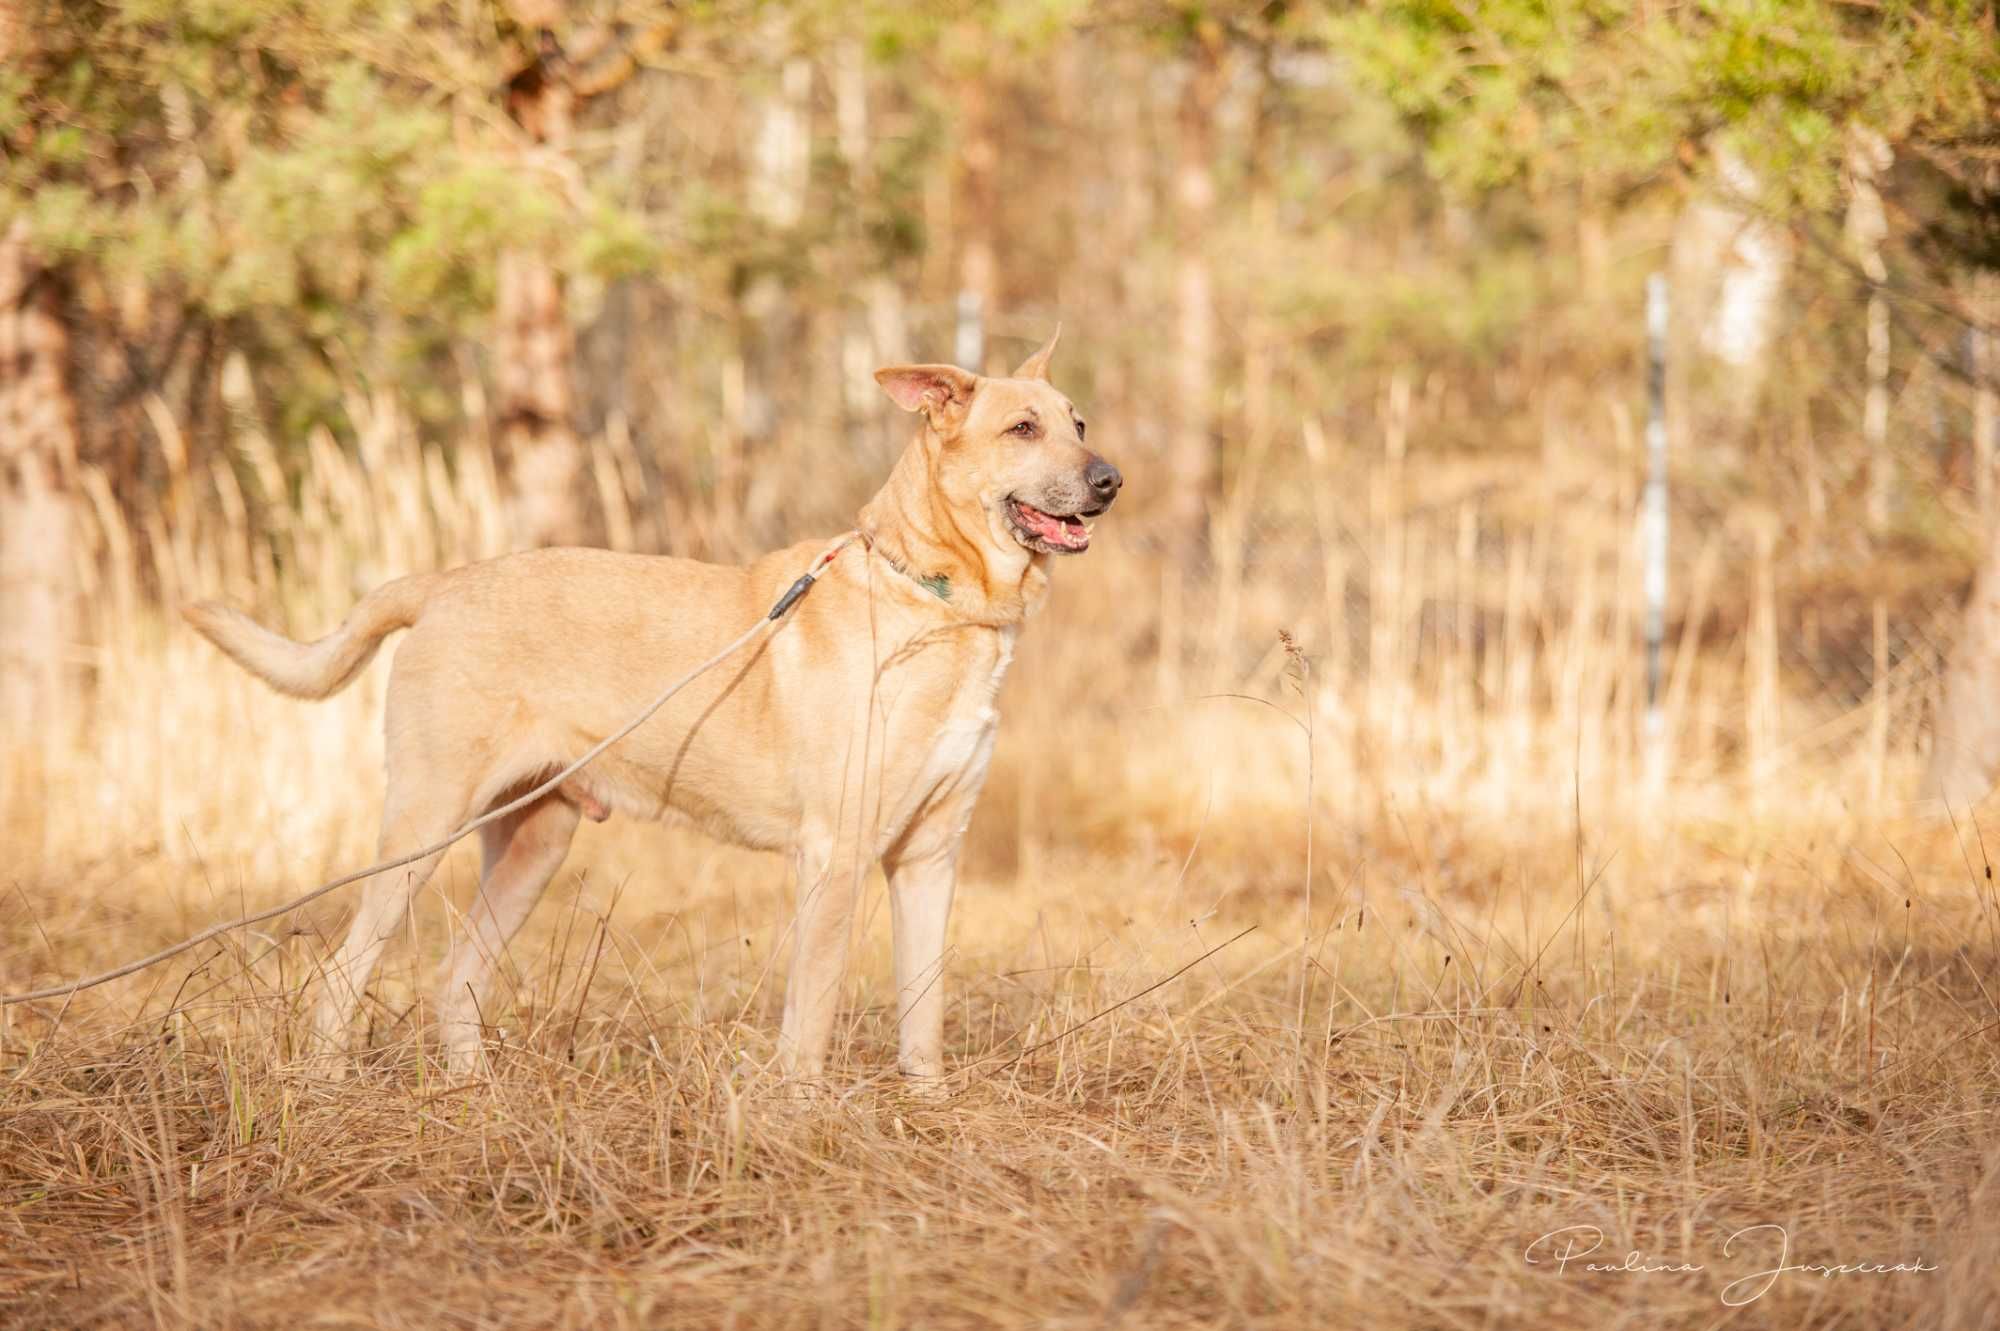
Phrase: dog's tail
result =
(315, 669)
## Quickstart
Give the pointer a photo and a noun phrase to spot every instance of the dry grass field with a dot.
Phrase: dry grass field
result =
(1396, 996)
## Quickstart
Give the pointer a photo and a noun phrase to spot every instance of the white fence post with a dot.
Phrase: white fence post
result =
(1654, 529)
(969, 338)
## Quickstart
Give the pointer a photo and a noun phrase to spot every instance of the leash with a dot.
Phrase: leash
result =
(784, 603)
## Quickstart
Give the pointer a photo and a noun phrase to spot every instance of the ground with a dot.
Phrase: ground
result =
(1581, 1077)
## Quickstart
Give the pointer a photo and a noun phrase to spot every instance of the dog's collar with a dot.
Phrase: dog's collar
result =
(937, 584)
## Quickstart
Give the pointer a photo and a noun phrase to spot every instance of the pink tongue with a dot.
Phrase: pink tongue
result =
(1051, 528)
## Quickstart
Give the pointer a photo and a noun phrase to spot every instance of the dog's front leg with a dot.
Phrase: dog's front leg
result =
(829, 878)
(921, 882)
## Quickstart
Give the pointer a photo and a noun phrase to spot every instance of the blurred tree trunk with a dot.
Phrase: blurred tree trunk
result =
(978, 269)
(1985, 370)
(1237, 489)
(777, 324)
(1729, 266)
(1965, 748)
(1130, 159)
(38, 442)
(849, 73)
(1965, 744)
(781, 156)
(1869, 158)
(878, 335)
(1754, 259)
(1191, 465)
(534, 346)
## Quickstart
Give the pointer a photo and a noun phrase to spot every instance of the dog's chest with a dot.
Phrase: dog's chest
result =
(964, 741)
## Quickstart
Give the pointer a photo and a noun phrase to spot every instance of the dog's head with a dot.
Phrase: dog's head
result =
(1013, 448)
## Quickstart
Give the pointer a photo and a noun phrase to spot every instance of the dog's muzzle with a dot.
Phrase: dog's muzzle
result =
(1061, 524)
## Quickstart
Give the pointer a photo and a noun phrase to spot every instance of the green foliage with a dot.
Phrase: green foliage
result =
(277, 158)
(1607, 93)
(1398, 182)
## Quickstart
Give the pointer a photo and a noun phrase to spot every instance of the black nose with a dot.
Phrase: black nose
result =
(1103, 479)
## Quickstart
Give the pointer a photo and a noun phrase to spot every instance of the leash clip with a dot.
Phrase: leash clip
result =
(799, 588)
(791, 597)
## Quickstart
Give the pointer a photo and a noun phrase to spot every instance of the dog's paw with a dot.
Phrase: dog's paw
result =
(326, 1067)
(465, 1065)
(753, 1080)
(926, 1087)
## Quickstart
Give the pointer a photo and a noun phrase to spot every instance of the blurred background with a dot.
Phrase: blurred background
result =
(295, 297)
(1560, 535)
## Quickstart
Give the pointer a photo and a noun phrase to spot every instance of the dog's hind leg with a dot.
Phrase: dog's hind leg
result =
(520, 853)
(406, 825)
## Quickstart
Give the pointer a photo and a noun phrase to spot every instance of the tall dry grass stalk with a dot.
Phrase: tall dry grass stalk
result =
(1513, 991)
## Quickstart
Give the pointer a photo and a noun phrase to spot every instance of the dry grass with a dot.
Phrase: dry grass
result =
(1521, 990)
(1711, 1043)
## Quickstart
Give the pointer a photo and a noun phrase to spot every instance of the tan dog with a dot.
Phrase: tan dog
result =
(859, 728)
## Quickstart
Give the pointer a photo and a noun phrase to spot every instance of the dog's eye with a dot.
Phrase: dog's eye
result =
(1026, 429)
(1079, 432)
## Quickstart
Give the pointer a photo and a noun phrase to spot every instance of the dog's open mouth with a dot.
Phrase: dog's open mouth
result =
(1050, 533)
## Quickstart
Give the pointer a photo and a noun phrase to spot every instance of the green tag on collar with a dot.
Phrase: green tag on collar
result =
(938, 585)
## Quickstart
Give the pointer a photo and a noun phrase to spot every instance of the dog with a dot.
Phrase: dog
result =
(858, 729)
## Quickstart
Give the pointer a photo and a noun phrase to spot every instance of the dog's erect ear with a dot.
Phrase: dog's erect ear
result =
(927, 388)
(1037, 365)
